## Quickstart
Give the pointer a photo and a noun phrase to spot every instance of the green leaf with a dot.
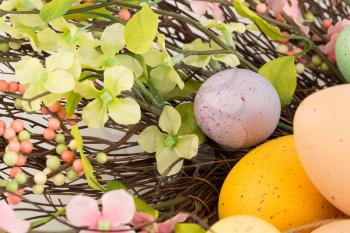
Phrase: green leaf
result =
(264, 26)
(188, 228)
(55, 9)
(142, 206)
(191, 86)
(88, 169)
(281, 72)
(141, 30)
(114, 185)
(188, 121)
(73, 100)
(84, 15)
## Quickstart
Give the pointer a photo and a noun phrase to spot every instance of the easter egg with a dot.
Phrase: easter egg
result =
(342, 51)
(322, 134)
(242, 224)
(341, 226)
(237, 108)
(270, 183)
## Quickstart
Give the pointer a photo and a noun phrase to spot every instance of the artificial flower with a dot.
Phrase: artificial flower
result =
(106, 101)
(170, 147)
(163, 75)
(333, 33)
(118, 210)
(202, 7)
(57, 77)
(21, 5)
(9, 222)
(203, 60)
(142, 219)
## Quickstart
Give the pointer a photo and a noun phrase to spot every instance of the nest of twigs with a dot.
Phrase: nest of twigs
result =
(196, 188)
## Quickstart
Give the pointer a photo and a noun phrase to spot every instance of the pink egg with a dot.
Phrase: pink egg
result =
(9, 133)
(26, 147)
(237, 108)
(78, 166)
(17, 125)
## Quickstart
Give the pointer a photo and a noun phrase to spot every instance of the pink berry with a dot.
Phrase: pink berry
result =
(3, 85)
(44, 110)
(21, 161)
(17, 125)
(326, 23)
(49, 134)
(54, 124)
(2, 124)
(13, 199)
(55, 107)
(21, 88)
(14, 171)
(62, 113)
(13, 86)
(261, 8)
(78, 166)
(9, 133)
(27, 146)
(124, 15)
(284, 40)
(67, 156)
(14, 146)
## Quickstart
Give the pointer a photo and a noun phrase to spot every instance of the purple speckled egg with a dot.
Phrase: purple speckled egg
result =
(237, 108)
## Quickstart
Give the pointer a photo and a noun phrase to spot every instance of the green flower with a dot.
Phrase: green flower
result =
(21, 5)
(122, 110)
(169, 146)
(111, 42)
(163, 75)
(57, 77)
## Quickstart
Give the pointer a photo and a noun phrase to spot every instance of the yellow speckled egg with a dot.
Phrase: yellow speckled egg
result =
(242, 224)
(270, 183)
(322, 136)
(341, 226)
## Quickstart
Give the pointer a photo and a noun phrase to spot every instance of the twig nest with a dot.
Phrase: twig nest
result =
(237, 108)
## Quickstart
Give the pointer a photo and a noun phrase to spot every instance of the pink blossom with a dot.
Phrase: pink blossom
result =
(332, 36)
(201, 7)
(118, 209)
(167, 226)
(291, 9)
(9, 222)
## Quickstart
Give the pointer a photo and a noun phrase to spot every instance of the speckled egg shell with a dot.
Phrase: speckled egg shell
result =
(237, 108)
(242, 224)
(343, 52)
(342, 226)
(322, 133)
(270, 183)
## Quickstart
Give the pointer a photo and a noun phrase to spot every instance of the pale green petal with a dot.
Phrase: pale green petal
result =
(95, 114)
(75, 69)
(32, 91)
(52, 98)
(131, 63)
(197, 45)
(170, 120)
(161, 44)
(163, 78)
(60, 24)
(166, 157)
(175, 77)
(229, 59)
(151, 139)
(117, 79)
(87, 40)
(60, 60)
(28, 70)
(59, 81)
(86, 89)
(197, 61)
(112, 39)
(89, 56)
(236, 27)
(23, 20)
(187, 146)
(48, 39)
(125, 111)
(153, 58)
(9, 5)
